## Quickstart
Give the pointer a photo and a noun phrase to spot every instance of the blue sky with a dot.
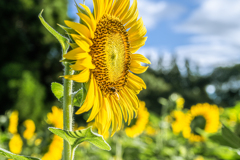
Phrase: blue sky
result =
(207, 32)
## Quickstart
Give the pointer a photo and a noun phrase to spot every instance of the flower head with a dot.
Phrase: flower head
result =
(30, 129)
(140, 125)
(103, 49)
(203, 116)
(13, 122)
(56, 117)
(55, 149)
(179, 121)
(180, 103)
(15, 144)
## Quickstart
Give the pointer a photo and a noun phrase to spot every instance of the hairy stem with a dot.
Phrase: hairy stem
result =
(67, 110)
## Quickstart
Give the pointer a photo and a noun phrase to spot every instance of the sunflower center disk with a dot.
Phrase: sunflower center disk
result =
(198, 122)
(110, 54)
(115, 56)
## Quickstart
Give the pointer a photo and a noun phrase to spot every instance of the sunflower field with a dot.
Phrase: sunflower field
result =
(179, 133)
(97, 98)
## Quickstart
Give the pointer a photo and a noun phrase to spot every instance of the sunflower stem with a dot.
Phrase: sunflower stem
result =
(67, 110)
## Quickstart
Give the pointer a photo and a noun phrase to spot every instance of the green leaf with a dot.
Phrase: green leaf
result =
(8, 154)
(227, 138)
(57, 90)
(218, 138)
(77, 100)
(230, 137)
(74, 138)
(62, 40)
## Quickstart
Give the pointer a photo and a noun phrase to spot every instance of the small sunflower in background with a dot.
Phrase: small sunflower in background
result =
(203, 116)
(15, 144)
(30, 129)
(56, 147)
(103, 47)
(13, 122)
(178, 121)
(141, 122)
(180, 103)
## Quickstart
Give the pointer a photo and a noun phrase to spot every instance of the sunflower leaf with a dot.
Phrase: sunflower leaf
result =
(62, 40)
(74, 138)
(57, 90)
(8, 154)
(77, 100)
(230, 137)
(218, 138)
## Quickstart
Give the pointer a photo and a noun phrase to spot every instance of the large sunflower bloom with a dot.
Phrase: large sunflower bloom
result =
(104, 43)
(203, 116)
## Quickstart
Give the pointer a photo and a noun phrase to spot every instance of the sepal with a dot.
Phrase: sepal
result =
(62, 40)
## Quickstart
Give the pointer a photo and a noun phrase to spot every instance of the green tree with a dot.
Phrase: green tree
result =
(29, 52)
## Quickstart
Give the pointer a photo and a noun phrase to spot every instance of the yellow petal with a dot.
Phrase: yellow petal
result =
(123, 107)
(75, 54)
(138, 34)
(132, 21)
(91, 24)
(129, 106)
(95, 7)
(119, 112)
(80, 28)
(130, 13)
(101, 9)
(137, 79)
(133, 97)
(134, 85)
(139, 42)
(83, 63)
(136, 67)
(80, 38)
(107, 107)
(89, 14)
(116, 115)
(96, 104)
(136, 26)
(120, 7)
(81, 77)
(88, 103)
(124, 10)
(135, 49)
(140, 58)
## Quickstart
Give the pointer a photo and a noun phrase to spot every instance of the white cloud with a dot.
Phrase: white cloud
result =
(153, 12)
(151, 53)
(215, 26)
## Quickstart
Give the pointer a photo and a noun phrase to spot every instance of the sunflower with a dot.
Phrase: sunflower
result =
(30, 129)
(103, 45)
(141, 123)
(13, 122)
(203, 116)
(56, 147)
(179, 120)
(15, 144)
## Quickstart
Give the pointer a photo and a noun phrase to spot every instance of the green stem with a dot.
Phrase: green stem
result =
(118, 148)
(67, 110)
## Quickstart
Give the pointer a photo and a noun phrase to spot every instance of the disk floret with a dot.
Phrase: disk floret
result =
(110, 55)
